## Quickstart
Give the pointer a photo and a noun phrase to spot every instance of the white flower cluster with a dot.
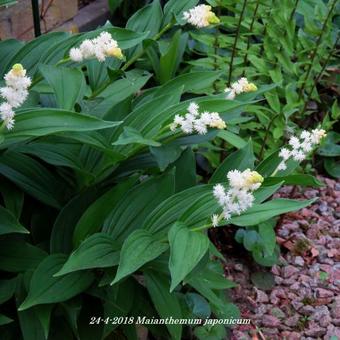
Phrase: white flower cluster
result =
(101, 47)
(15, 93)
(200, 16)
(199, 122)
(240, 86)
(239, 197)
(300, 146)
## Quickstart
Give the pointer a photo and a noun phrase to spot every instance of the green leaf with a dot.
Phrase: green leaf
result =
(69, 215)
(32, 177)
(93, 218)
(171, 58)
(9, 224)
(133, 136)
(332, 166)
(139, 248)
(241, 160)
(262, 212)
(165, 155)
(211, 276)
(30, 54)
(197, 305)
(330, 147)
(117, 92)
(185, 165)
(130, 212)
(67, 83)
(8, 48)
(166, 304)
(4, 320)
(263, 280)
(147, 19)
(193, 82)
(186, 250)
(42, 121)
(268, 236)
(232, 139)
(176, 8)
(45, 288)
(97, 251)
(18, 256)
(7, 289)
(298, 179)
(13, 198)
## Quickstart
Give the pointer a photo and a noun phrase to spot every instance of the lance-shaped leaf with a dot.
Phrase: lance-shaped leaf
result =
(186, 249)
(9, 224)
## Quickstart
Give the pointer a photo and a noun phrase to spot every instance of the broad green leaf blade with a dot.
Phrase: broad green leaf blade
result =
(166, 304)
(9, 224)
(262, 212)
(4, 320)
(97, 251)
(241, 160)
(7, 289)
(30, 54)
(133, 136)
(139, 248)
(232, 139)
(186, 249)
(8, 48)
(298, 179)
(67, 83)
(171, 58)
(93, 218)
(63, 228)
(13, 198)
(165, 155)
(33, 178)
(18, 256)
(175, 8)
(44, 288)
(43, 121)
(131, 211)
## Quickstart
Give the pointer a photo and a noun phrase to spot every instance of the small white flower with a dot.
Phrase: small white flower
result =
(76, 55)
(294, 142)
(240, 196)
(300, 146)
(15, 93)
(100, 48)
(194, 121)
(238, 87)
(282, 166)
(200, 16)
(215, 220)
(285, 154)
(193, 109)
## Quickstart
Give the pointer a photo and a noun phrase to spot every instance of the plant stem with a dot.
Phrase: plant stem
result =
(318, 42)
(233, 52)
(266, 136)
(245, 60)
(142, 51)
(319, 75)
(294, 10)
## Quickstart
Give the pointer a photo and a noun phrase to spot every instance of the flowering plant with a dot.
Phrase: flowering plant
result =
(105, 202)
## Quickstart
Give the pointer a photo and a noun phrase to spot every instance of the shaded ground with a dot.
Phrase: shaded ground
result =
(305, 301)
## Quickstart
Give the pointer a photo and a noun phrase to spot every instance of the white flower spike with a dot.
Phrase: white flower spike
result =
(99, 48)
(201, 16)
(240, 196)
(300, 146)
(193, 121)
(15, 93)
(240, 86)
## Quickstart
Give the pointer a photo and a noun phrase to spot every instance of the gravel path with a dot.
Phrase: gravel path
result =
(305, 301)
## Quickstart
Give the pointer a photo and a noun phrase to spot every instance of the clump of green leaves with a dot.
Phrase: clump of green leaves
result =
(104, 210)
